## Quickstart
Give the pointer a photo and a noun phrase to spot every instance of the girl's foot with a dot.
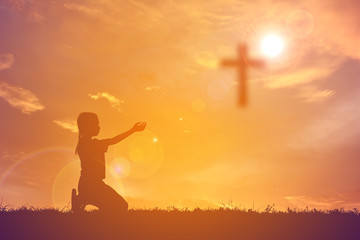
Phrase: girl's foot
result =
(75, 202)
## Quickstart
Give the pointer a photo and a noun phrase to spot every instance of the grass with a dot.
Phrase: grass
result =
(172, 223)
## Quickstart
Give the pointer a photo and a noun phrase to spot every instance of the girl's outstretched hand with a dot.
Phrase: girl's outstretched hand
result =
(139, 126)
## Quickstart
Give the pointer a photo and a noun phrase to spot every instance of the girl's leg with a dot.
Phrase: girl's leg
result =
(110, 200)
(99, 194)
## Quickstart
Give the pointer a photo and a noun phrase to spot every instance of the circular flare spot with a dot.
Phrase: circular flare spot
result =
(119, 168)
(65, 180)
(218, 89)
(146, 154)
(115, 182)
(68, 178)
(300, 23)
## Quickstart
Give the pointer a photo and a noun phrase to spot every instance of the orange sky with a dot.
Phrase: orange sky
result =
(295, 145)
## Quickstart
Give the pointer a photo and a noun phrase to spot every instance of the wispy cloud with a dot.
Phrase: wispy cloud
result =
(340, 121)
(14, 5)
(6, 61)
(152, 88)
(103, 10)
(299, 77)
(114, 102)
(68, 124)
(207, 59)
(30, 8)
(92, 12)
(20, 98)
(323, 202)
(342, 16)
(311, 94)
(36, 17)
(146, 8)
(302, 202)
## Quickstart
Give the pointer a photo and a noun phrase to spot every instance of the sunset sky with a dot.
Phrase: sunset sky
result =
(296, 144)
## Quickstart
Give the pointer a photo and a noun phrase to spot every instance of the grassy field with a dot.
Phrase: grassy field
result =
(31, 223)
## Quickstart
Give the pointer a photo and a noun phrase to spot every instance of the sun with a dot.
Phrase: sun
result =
(272, 45)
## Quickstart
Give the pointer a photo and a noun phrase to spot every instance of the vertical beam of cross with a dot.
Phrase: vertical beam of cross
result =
(242, 63)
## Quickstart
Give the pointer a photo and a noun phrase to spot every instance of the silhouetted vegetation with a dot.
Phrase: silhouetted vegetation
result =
(174, 223)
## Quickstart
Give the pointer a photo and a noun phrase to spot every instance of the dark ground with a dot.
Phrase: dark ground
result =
(175, 224)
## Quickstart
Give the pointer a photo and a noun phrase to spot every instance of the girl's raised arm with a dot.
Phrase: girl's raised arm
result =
(139, 126)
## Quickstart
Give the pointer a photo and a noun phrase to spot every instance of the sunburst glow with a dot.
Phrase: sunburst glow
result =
(272, 45)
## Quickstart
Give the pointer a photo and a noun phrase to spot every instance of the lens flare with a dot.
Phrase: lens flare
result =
(146, 154)
(120, 168)
(300, 23)
(66, 179)
(218, 89)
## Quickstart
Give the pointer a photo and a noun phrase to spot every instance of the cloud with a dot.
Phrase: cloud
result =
(152, 12)
(339, 121)
(207, 59)
(107, 12)
(17, 97)
(338, 200)
(336, 28)
(36, 17)
(69, 125)
(298, 78)
(20, 98)
(14, 5)
(6, 61)
(311, 94)
(92, 12)
(30, 8)
(152, 88)
(302, 202)
(114, 102)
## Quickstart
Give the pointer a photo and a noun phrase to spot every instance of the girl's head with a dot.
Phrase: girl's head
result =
(88, 124)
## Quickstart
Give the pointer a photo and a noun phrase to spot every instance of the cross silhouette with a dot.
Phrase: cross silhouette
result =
(242, 63)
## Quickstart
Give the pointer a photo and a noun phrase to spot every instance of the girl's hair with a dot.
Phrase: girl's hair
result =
(85, 121)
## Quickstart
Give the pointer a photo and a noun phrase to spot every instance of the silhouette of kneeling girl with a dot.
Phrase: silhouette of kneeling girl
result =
(91, 151)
